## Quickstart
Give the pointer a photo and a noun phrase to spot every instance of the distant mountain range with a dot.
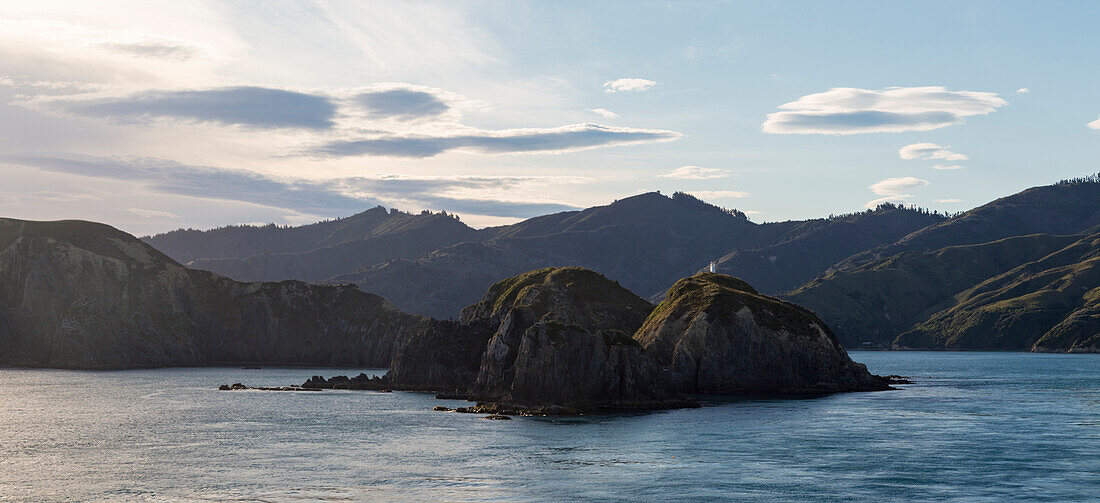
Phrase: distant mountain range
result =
(872, 276)
(432, 264)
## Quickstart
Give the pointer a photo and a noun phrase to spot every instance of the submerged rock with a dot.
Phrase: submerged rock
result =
(716, 334)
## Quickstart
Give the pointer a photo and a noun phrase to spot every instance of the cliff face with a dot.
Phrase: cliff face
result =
(83, 295)
(562, 338)
(555, 337)
(716, 334)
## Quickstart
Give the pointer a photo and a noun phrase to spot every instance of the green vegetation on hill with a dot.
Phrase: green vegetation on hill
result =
(879, 300)
(1047, 304)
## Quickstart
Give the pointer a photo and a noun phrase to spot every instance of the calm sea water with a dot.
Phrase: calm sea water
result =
(974, 427)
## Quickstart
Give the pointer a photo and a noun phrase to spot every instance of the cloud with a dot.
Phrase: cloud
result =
(560, 139)
(947, 166)
(403, 103)
(846, 110)
(1023, 90)
(605, 113)
(899, 199)
(720, 194)
(930, 151)
(152, 213)
(635, 85)
(894, 190)
(153, 50)
(335, 197)
(1094, 124)
(258, 107)
(695, 173)
(949, 200)
(61, 197)
(896, 186)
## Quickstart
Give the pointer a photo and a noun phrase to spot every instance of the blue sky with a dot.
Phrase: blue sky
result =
(157, 116)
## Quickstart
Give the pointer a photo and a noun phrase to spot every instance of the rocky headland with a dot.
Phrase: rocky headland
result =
(83, 295)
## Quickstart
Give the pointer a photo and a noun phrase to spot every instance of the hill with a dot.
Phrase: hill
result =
(1068, 207)
(922, 284)
(812, 246)
(1050, 304)
(77, 294)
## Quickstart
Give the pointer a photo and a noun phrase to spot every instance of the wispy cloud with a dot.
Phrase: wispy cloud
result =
(153, 49)
(1094, 124)
(930, 151)
(949, 200)
(846, 110)
(1023, 90)
(560, 139)
(947, 167)
(720, 194)
(621, 85)
(141, 212)
(894, 190)
(695, 173)
(605, 113)
(327, 197)
(258, 107)
(896, 186)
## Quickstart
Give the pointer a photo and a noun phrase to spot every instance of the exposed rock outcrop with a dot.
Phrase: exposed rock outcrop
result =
(555, 337)
(716, 334)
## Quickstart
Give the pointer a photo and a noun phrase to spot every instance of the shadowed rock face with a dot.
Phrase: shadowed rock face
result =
(562, 339)
(445, 356)
(553, 337)
(83, 295)
(716, 334)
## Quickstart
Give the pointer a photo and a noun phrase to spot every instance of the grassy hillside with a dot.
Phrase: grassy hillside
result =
(1023, 306)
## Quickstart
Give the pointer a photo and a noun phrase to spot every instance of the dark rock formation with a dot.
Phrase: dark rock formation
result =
(552, 337)
(563, 339)
(361, 381)
(83, 295)
(716, 334)
(559, 341)
(444, 357)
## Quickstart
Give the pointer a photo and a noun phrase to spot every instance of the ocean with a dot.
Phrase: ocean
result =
(974, 426)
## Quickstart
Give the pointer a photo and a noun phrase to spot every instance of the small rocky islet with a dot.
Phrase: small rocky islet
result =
(560, 341)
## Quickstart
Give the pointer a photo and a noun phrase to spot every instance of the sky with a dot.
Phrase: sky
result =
(152, 116)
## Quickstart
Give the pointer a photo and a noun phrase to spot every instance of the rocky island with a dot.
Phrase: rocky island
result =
(568, 339)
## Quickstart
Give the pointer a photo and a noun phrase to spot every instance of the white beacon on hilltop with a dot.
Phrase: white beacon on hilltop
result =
(713, 267)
